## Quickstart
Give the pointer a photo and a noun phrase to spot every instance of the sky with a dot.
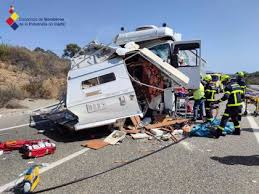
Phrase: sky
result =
(228, 29)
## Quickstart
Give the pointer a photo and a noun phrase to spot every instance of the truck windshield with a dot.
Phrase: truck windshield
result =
(162, 50)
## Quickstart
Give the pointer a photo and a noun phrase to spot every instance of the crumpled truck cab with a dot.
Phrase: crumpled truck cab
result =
(109, 83)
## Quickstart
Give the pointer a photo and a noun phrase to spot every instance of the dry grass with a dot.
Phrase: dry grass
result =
(10, 92)
(49, 88)
(34, 74)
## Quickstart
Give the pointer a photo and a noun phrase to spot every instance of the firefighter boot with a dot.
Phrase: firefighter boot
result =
(217, 133)
(236, 132)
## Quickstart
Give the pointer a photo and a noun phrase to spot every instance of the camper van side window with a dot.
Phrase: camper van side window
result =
(107, 78)
(98, 80)
(90, 83)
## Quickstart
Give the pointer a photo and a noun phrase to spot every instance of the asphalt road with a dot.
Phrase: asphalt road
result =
(195, 165)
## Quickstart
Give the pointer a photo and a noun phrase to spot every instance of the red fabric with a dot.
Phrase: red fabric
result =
(39, 151)
(17, 144)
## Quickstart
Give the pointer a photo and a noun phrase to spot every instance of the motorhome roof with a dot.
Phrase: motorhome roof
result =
(145, 33)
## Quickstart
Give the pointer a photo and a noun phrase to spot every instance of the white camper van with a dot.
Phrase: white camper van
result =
(137, 74)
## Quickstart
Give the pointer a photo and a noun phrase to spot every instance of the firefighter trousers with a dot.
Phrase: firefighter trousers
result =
(233, 113)
(208, 108)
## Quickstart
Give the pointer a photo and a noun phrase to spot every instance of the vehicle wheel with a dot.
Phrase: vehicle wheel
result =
(245, 113)
(255, 113)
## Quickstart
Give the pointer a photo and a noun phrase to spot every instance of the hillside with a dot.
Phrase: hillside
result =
(252, 78)
(35, 74)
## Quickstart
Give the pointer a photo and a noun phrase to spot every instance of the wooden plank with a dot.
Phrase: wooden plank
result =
(130, 131)
(166, 123)
(95, 144)
(135, 120)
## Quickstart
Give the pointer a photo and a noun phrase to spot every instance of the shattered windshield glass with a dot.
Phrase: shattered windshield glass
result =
(162, 50)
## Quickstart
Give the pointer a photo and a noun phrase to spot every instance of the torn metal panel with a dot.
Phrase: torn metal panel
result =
(166, 68)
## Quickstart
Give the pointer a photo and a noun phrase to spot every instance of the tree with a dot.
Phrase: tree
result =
(38, 49)
(70, 50)
(51, 52)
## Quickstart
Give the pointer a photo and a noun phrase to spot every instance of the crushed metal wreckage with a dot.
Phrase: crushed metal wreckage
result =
(137, 76)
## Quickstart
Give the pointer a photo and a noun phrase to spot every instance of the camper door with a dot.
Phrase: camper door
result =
(186, 57)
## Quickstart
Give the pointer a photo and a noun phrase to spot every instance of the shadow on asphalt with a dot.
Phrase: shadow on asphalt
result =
(247, 130)
(250, 130)
(252, 160)
(62, 134)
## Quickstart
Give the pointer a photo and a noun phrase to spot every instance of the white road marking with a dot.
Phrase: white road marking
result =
(254, 127)
(44, 169)
(22, 125)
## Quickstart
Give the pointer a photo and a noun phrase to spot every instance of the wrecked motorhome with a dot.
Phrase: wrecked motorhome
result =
(135, 76)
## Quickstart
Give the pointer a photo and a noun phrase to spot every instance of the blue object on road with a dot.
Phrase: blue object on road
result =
(204, 129)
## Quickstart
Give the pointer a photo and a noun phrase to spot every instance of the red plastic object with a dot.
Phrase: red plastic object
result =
(38, 150)
(17, 144)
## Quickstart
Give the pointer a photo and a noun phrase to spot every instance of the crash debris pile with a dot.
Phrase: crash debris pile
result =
(162, 128)
(29, 148)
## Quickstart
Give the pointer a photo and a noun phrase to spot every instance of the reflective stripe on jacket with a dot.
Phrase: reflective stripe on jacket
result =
(233, 93)
(210, 92)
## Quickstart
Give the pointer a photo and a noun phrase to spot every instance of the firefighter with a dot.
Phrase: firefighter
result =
(210, 92)
(240, 80)
(233, 93)
(198, 96)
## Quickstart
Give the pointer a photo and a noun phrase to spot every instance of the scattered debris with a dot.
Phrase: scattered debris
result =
(140, 136)
(115, 137)
(1, 152)
(177, 132)
(41, 131)
(166, 122)
(157, 132)
(95, 144)
(146, 121)
(131, 131)
(136, 121)
(166, 137)
(254, 181)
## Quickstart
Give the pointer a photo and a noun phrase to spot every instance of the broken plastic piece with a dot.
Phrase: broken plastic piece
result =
(140, 136)
(115, 137)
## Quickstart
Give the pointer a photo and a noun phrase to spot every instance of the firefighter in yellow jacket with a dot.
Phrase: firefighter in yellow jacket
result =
(233, 93)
